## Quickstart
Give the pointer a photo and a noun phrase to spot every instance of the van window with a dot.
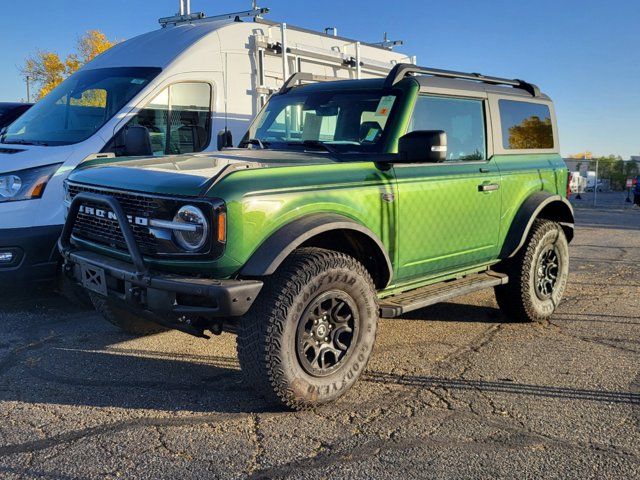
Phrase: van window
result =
(178, 119)
(525, 125)
(461, 119)
(79, 106)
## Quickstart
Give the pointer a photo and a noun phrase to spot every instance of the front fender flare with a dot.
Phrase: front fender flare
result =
(543, 205)
(275, 249)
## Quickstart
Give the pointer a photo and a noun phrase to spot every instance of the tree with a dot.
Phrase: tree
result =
(531, 133)
(582, 156)
(46, 70)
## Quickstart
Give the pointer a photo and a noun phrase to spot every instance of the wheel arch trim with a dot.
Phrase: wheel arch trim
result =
(280, 244)
(537, 206)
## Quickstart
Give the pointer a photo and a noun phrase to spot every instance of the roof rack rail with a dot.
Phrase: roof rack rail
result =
(304, 77)
(402, 70)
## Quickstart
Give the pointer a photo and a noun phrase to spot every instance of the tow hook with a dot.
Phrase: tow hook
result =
(68, 269)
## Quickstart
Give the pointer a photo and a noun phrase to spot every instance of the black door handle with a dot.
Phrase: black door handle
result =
(484, 170)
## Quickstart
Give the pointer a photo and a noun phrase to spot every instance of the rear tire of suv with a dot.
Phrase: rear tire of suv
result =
(537, 274)
(125, 320)
(310, 334)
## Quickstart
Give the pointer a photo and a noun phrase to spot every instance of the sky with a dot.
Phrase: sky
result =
(584, 54)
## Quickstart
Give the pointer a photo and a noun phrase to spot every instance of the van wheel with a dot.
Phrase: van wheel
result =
(310, 334)
(537, 275)
(124, 319)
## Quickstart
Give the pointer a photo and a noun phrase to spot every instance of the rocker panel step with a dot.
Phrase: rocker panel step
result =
(397, 305)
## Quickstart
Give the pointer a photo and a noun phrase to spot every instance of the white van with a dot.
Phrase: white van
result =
(166, 92)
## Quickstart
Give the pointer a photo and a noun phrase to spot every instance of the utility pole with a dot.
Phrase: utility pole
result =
(595, 187)
(28, 89)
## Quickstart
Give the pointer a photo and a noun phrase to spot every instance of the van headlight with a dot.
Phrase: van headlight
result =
(193, 236)
(25, 184)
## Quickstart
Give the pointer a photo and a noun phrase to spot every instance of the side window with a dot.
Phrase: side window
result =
(525, 125)
(178, 119)
(461, 119)
(190, 117)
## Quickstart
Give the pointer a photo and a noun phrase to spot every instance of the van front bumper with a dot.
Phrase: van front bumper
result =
(32, 252)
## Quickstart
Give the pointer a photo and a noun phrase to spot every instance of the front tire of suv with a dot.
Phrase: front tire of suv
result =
(124, 319)
(310, 334)
(537, 275)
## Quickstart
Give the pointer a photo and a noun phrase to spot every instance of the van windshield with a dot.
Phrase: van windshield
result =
(79, 106)
(342, 121)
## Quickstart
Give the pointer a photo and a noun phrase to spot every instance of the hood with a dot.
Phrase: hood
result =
(20, 157)
(185, 175)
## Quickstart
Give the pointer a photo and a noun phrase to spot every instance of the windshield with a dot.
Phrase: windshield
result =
(79, 106)
(345, 121)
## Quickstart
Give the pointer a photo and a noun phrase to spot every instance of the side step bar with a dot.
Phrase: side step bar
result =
(397, 305)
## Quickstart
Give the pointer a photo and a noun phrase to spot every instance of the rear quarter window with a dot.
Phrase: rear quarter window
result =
(526, 125)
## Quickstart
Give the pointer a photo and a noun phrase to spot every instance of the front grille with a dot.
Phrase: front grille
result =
(106, 231)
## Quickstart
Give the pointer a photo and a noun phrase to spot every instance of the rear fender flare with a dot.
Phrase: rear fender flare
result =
(538, 205)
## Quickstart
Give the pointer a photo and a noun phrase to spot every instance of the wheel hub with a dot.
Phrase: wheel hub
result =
(326, 332)
(547, 272)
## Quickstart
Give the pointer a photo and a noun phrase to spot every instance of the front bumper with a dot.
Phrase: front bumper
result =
(35, 257)
(163, 294)
(172, 298)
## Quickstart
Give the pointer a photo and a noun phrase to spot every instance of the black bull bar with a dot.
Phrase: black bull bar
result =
(154, 292)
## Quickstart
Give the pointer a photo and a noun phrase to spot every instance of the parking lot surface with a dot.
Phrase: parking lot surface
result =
(452, 390)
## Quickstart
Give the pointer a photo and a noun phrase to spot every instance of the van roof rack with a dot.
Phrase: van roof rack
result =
(402, 70)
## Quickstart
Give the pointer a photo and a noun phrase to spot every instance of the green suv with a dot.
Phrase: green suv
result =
(346, 201)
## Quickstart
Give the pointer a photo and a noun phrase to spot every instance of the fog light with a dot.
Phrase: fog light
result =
(6, 257)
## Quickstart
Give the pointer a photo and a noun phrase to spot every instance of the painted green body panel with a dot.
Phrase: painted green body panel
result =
(261, 201)
(445, 222)
(524, 175)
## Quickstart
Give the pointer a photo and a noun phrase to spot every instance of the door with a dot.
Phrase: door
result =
(178, 120)
(449, 212)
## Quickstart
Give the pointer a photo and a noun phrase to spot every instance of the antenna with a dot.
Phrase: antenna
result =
(389, 44)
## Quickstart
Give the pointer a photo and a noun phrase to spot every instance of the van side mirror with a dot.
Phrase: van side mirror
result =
(137, 142)
(423, 146)
(225, 139)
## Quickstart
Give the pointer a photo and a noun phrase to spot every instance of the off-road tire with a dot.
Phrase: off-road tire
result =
(124, 319)
(519, 299)
(268, 335)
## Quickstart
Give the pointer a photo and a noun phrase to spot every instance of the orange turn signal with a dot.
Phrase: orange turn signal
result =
(222, 227)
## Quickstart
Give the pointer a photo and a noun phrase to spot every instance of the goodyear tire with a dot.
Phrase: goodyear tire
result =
(124, 319)
(537, 275)
(310, 334)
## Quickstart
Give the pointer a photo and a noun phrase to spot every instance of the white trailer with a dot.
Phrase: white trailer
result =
(184, 83)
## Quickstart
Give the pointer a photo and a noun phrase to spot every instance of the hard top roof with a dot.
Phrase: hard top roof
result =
(425, 82)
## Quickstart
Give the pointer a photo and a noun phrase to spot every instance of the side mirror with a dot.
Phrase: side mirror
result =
(225, 139)
(137, 142)
(423, 146)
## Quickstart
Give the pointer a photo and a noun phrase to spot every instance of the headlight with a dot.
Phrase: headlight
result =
(25, 184)
(191, 239)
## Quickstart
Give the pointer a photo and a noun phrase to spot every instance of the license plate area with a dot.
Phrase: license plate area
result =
(94, 279)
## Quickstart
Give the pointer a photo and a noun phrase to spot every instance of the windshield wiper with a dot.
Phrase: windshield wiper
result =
(317, 143)
(24, 142)
(257, 142)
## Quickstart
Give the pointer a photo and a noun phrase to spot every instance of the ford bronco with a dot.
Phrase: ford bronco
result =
(346, 201)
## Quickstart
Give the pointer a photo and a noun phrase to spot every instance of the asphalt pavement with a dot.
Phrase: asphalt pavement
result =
(452, 391)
